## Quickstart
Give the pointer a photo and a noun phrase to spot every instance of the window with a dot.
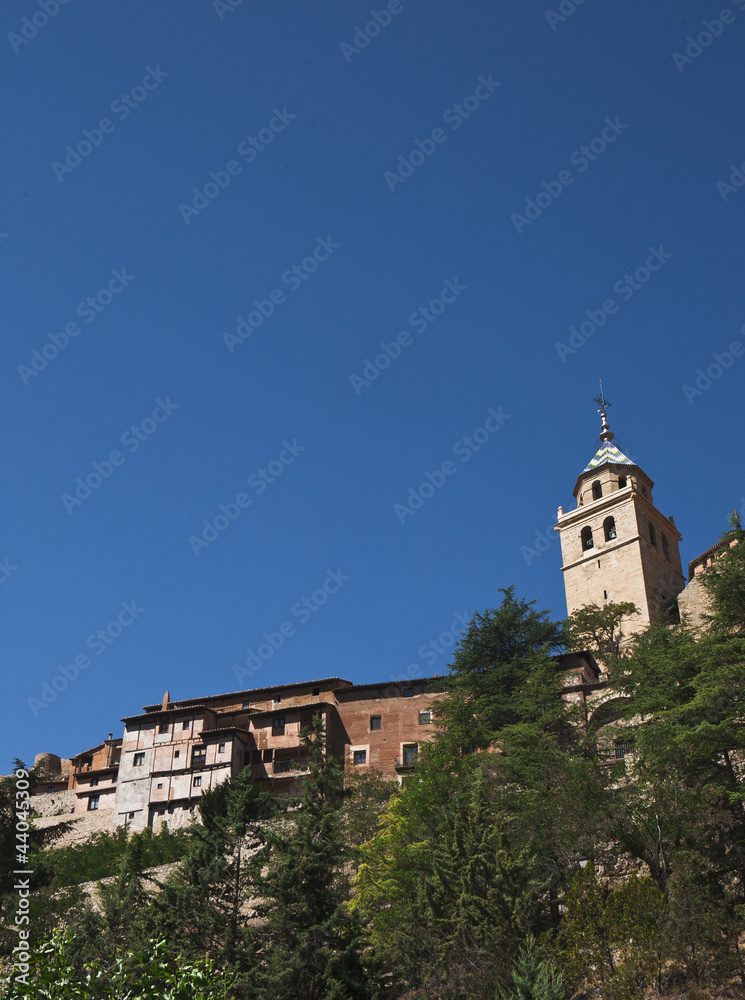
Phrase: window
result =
(246, 704)
(376, 722)
(621, 482)
(282, 766)
(652, 534)
(186, 724)
(597, 490)
(176, 753)
(139, 759)
(408, 692)
(50, 789)
(94, 782)
(277, 699)
(665, 547)
(130, 815)
(164, 727)
(609, 527)
(221, 748)
(160, 784)
(425, 716)
(197, 782)
(93, 802)
(411, 754)
(622, 749)
(359, 757)
(199, 757)
(587, 542)
(278, 722)
(316, 690)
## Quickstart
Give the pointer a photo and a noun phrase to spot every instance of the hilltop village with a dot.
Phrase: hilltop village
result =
(616, 546)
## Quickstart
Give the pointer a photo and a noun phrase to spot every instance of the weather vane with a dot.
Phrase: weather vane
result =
(602, 402)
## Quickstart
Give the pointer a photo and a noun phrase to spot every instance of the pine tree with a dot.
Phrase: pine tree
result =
(533, 978)
(311, 941)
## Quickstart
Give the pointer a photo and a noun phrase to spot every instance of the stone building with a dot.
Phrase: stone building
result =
(616, 545)
(173, 752)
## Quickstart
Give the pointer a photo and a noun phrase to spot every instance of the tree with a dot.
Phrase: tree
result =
(534, 978)
(725, 582)
(311, 941)
(602, 631)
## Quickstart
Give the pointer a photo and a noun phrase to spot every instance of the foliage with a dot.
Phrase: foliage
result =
(533, 978)
(725, 582)
(155, 977)
(602, 631)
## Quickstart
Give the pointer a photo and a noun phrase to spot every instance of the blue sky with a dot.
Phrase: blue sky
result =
(396, 204)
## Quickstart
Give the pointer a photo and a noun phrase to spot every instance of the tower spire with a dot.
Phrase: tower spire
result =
(606, 434)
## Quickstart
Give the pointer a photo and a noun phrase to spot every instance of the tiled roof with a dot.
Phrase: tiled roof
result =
(607, 454)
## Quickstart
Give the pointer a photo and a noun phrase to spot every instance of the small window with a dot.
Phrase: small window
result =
(665, 547)
(277, 699)
(199, 757)
(94, 782)
(50, 789)
(597, 490)
(197, 782)
(408, 692)
(644, 490)
(186, 724)
(221, 748)
(130, 815)
(139, 759)
(376, 722)
(176, 753)
(609, 528)
(278, 722)
(622, 482)
(316, 690)
(586, 535)
(411, 754)
(164, 727)
(425, 716)
(359, 757)
(282, 766)
(93, 802)
(160, 784)
(652, 534)
(246, 704)
(622, 749)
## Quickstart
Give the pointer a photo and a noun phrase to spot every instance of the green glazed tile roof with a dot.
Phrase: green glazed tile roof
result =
(607, 453)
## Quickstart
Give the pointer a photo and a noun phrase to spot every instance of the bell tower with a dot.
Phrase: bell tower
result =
(615, 545)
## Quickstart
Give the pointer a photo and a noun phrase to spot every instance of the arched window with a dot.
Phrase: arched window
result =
(587, 542)
(665, 547)
(597, 490)
(609, 527)
(652, 534)
(621, 482)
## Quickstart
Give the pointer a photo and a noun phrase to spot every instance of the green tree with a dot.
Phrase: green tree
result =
(311, 941)
(533, 977)
(602, 631)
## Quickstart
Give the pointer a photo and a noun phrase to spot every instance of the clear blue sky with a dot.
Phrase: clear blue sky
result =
(296, 124)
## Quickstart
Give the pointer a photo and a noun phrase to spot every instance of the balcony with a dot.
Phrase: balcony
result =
(409, 760)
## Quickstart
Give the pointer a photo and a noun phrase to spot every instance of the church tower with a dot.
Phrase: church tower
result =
(616, 546)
